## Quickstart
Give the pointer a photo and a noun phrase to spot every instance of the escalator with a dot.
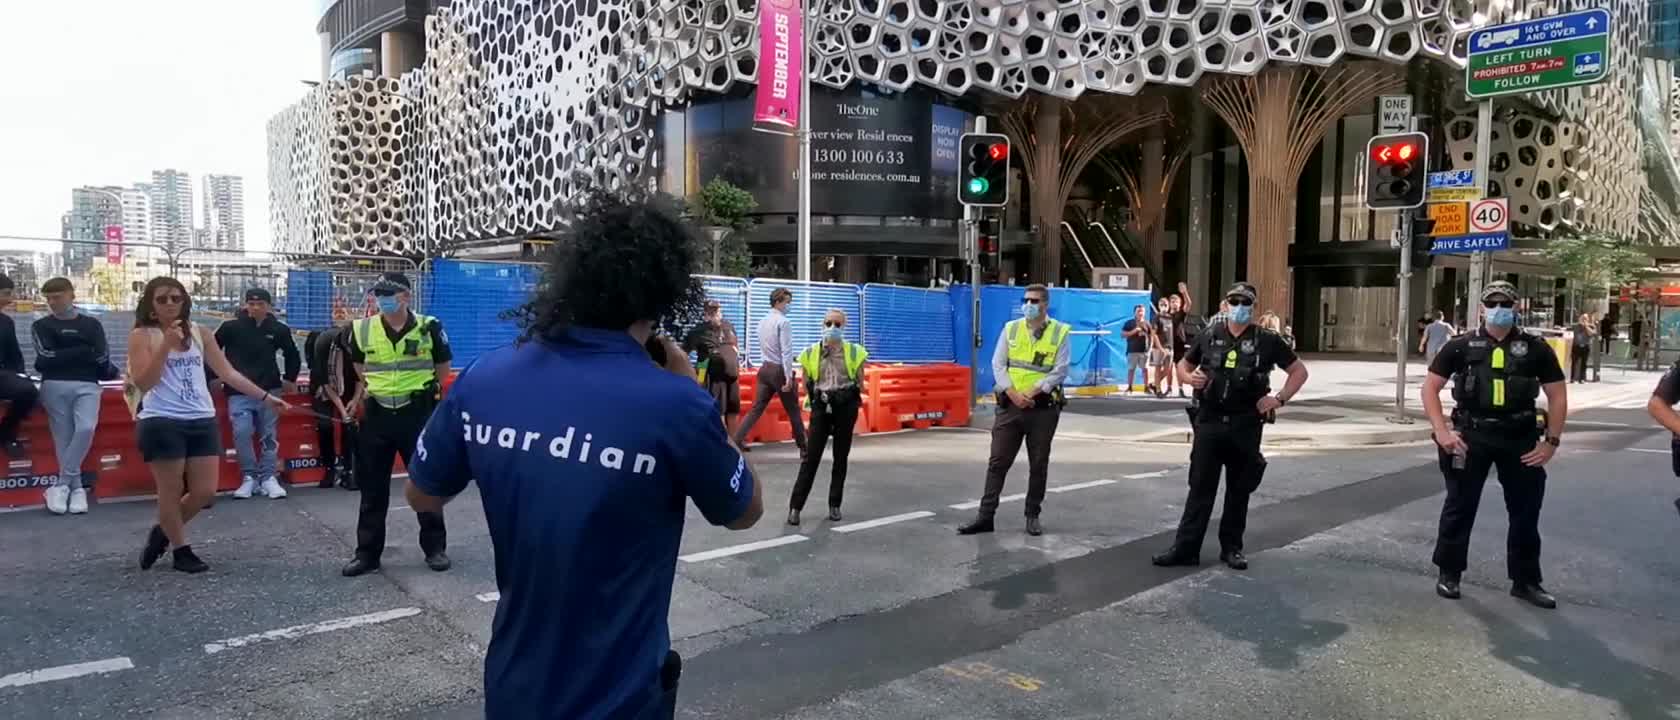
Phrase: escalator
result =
(1100, 246)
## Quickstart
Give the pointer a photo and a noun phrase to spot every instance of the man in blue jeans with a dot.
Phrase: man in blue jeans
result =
(250, 340)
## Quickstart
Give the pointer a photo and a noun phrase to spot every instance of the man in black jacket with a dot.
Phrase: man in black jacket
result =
(72, 356)
(250, 340)
(14, 387)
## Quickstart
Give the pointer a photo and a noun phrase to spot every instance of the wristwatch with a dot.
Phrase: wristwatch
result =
(1554, 440)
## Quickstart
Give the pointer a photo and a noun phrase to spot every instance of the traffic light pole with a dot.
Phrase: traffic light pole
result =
(1402, 339)
(1479, 260)
(971, 231)
(804, 210)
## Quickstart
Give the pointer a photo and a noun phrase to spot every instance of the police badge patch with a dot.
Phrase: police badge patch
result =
(1248, 346)
(1519, 348)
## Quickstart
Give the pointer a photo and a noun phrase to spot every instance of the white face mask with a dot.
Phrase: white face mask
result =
(1031, 311)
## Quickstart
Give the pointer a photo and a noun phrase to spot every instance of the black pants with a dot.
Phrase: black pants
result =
(825, 423)
(1578, 357)
(327, 437)
(385, 435)
(1037, 426)
(1525, 488)
(1233, 446)
(22, 394)
(771, 378)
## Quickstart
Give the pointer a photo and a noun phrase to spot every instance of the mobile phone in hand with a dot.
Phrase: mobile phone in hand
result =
(655, 347)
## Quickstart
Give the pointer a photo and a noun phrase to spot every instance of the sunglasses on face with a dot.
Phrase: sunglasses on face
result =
(833, 324)
(1491, 304)
(170, 299)
(1035, 301)
(384, 293)
(1234, 301)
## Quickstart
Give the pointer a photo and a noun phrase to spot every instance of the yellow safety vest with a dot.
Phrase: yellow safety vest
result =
(811, 358)
(395, 376)
(1031, 359)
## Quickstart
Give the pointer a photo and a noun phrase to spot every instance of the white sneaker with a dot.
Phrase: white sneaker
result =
(57, 496)
(78, 501)
(271, 488)
(245, 488)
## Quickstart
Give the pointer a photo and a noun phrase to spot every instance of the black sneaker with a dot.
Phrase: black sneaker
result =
(156, 543)
(1447, 586)
(187, 562)
(329, 478)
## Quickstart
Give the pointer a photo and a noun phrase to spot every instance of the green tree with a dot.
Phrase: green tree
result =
(724, 206)
(1597, 263)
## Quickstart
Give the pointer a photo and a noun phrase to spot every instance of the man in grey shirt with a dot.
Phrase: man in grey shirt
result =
(1435, 337)
(775, 376)
(1028, 368)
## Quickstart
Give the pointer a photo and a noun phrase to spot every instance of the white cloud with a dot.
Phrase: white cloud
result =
(105, 91)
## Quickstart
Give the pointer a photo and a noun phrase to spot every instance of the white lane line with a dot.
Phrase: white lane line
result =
(1083, 485)
(1142, 475)
(972, 504)
(1650, 450)
(65, 672)
(297, 631)
(878, 522)
(489, 597)
(742, 548)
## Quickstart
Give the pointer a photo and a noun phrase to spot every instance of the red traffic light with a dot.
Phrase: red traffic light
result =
(1398, 152)
(998, 151)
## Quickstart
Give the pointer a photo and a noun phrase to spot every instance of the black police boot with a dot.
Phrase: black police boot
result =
(1447, 586)
(793, 516)
(981, 524)
(1677, 504)
(1174, 557)
(360, 566)
(1033, 528)
(1234, 559)
(329, 478)
(1533, 594)
(438, 561)
(834, 514)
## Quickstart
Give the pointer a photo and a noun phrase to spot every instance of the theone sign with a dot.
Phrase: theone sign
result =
(1540, 54)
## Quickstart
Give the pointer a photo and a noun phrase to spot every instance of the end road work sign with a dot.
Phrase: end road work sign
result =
(1540, 54)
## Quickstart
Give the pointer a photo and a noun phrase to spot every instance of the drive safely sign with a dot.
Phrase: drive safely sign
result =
(1470, 243)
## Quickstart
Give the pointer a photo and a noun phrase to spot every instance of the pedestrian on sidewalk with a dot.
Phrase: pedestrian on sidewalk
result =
(1435, 337)
(713, 342)
(1581, 342)
(1661, 407)
(251, 340)
(775, 376)
(1166, 350)
(1136, 333)
(167, 357)
(1028, 367)
(1497, 374)
(1231, 368)
(72, 356)
(833, 370)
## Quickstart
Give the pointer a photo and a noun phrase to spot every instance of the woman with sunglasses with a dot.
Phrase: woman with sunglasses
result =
(177, 431)
(833, 377)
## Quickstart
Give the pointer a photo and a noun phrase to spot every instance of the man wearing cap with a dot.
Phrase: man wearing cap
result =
(401, 358)
(1230, 366)
(250, 340)
(1497, 373)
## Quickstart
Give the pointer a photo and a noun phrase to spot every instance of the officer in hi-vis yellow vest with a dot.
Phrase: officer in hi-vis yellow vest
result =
(833, 371)
(402, 358)
(1028, 367)
(1497, 373)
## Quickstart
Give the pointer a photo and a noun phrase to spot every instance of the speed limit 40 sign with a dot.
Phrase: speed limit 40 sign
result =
(1490, 215)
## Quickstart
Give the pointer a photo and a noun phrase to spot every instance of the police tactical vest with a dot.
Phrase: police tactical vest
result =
(396, 371)
(1498, 378)
(811, 361)
(1030, 358)
(1236, 380)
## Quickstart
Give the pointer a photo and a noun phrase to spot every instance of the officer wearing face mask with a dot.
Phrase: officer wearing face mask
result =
(1497, 373)
(1029, 365)
(833, 372)
(1230, 366)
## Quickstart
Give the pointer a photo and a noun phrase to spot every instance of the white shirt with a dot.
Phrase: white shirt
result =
(181, 392)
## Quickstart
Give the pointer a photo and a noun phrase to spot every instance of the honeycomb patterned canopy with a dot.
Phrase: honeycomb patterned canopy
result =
(522, 102)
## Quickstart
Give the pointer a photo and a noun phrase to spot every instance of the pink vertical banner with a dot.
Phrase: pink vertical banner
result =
(113, 244)
(781, 38)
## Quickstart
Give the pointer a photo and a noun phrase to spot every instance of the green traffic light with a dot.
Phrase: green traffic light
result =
(977, 186)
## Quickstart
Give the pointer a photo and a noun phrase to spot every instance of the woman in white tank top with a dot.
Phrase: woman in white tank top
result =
(177, 432)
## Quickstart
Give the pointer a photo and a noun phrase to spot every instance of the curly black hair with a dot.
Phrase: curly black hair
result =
(621, 259)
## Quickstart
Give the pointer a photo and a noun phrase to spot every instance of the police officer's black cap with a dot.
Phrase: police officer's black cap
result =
(259, 294)
(1499, 288)
(393, 282)
(1243, 289)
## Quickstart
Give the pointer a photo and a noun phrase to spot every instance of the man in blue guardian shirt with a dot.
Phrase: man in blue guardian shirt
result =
(585, 449)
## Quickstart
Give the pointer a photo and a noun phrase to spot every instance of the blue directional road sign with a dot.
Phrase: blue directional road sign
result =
(1470, 243)
(1453, 186)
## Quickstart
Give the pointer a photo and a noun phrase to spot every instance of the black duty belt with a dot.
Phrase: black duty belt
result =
(841, 396)
(1526, 422)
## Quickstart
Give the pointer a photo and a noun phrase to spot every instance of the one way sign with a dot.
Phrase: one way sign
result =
(1394, 113)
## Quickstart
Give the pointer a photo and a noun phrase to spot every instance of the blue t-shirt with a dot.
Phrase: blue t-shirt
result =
(584, 452)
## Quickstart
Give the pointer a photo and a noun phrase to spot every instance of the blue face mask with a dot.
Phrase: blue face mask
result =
(1242, 314)
(833, 333)
(387, 303)
(1030, 311)
(1501, 317)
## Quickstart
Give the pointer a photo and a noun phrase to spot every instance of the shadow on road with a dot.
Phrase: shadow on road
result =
(1568, 657)
(1254, 613)
(1009, 592)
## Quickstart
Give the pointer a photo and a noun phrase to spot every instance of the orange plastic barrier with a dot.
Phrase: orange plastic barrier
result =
(773, 425)
(916, 396)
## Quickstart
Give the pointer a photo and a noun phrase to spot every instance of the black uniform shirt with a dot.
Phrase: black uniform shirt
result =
(1273, 353)
(1669, 387)
(1454, 358)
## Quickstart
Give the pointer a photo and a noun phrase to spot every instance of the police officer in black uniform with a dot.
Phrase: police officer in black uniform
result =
(1497, 373)
(1230, 366)
(1661, 407)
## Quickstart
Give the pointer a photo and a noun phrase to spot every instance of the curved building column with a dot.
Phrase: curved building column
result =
(399, 52)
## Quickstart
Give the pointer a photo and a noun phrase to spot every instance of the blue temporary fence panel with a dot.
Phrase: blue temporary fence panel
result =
(308, 300)
(1093, 357)
(905, 324)
(731, 295)
(471, 297)
(811, 301)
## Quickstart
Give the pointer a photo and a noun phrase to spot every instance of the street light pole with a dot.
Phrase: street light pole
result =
(804, 132)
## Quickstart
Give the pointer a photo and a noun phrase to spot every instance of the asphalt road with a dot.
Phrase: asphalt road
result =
(905, 619)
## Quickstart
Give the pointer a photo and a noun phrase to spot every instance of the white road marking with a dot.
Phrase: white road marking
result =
(1142, 475)
(878, 522)
(742, 548)
(1082, 486)
(65, 672)
(1232, 594)
(1651, 450)
(395, 508)
(489, 597)
(972, 504)
(297, 631)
